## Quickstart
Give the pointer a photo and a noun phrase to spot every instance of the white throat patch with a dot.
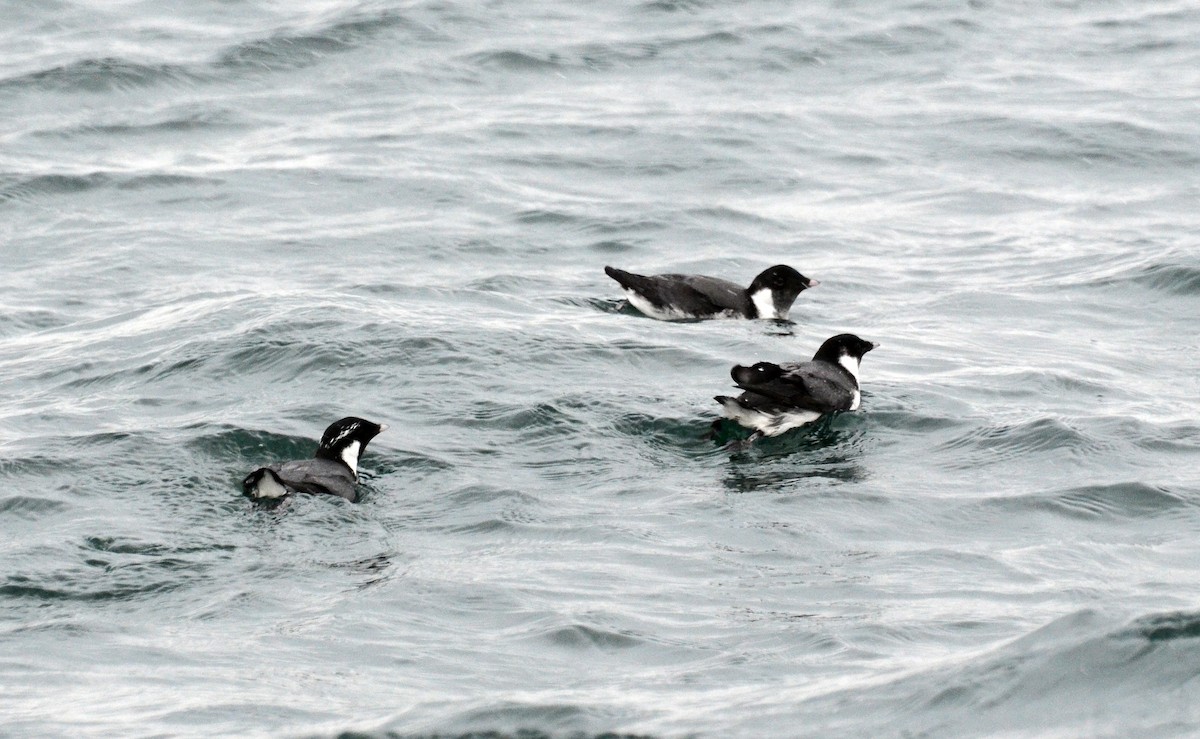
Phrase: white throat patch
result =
(350, 457)
(851, 365)
(764, 303)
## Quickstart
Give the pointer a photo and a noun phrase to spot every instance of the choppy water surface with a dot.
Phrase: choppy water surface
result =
(225, 225)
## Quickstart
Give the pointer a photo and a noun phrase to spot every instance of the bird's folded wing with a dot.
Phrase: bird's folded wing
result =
(803, 390)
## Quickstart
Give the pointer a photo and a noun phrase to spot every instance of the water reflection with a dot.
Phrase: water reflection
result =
(832, 448)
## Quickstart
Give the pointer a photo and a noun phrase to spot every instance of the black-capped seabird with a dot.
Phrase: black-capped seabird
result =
(675, 297)
(333, 469)
(779, 397)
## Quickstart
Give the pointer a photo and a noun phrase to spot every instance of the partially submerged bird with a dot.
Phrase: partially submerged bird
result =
(332, 470)
(675, 297)
(780, 397)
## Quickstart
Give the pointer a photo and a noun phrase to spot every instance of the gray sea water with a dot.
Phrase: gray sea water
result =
(226, 224)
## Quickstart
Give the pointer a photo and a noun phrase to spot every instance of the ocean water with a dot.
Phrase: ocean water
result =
(226, 224)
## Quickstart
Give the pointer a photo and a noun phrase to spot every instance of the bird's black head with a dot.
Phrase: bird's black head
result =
(843, 345)
(758, 374)
(783, 284)
(347, 439)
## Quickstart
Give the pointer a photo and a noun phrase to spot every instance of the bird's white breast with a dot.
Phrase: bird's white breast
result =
(770, 424)
(652, 310)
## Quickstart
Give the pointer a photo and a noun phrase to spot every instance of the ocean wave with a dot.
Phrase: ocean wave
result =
(1177, 279)
(23, 320)
(586, 637)
(480, 508)
(283, 50)
(1002, 442)
(679, 435)
(246, 447)
(523, 733)
(1116, 501)
(517, 60)
(102, 75)
(675, 6)
(24, 187)
(30, 507)
(605, 56)
(1114, 141)
(294, 50)
(1161, 627)
(536, 420)
(20, 188)
(1161, 275)
(1084, 669)
(509, 719)
(181, 122)
(110, 569)
(62, 587)
(902, 39)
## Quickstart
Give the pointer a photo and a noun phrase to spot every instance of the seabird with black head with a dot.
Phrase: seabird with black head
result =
(333, 470)
(780, 397)
(678, 297)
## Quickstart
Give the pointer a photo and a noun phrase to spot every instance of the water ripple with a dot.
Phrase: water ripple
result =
(1117, 501)
(1177, 279)
(998, 443)
(16, 187)
(102, 75)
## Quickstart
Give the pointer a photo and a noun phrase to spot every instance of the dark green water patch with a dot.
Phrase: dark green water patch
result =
(831, 448)
(237, 444)
(684, 435)
(1168, 626)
